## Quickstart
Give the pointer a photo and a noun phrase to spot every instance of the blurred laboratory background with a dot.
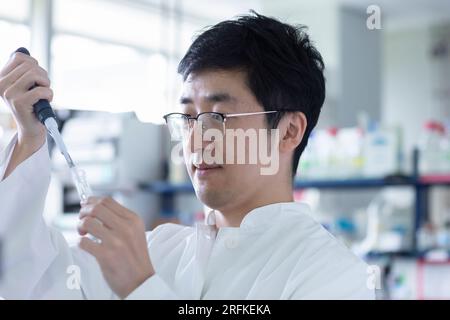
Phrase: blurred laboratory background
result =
(376, 171)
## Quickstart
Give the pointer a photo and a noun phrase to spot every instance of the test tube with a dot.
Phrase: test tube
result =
(83, 188)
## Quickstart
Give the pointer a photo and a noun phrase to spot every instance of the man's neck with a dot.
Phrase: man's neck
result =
(232, 216)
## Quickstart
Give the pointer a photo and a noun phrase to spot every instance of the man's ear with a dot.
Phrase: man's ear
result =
(292, 128)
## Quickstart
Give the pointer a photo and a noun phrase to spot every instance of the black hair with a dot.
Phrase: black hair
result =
(284, 70)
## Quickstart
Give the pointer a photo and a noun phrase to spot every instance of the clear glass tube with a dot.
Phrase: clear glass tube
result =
(83, 187)
(78, 175)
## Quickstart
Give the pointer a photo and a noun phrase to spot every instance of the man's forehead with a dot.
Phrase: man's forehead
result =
(223, 84)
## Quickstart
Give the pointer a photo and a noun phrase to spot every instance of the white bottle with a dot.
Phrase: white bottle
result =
(431, 157)
(380, 152)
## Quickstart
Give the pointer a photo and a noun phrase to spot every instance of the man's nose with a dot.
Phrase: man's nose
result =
(197, 142)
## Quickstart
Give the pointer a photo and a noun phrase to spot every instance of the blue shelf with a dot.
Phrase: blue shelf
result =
(353, 183)
(421, 185)
(163, 187)
(403, 254)
(397, 254)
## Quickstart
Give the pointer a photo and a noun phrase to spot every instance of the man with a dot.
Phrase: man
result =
(251, 73)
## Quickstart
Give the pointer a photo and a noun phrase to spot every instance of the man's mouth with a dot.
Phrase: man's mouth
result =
(203, 169)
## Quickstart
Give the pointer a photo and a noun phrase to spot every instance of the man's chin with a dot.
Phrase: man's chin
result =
(213, 198)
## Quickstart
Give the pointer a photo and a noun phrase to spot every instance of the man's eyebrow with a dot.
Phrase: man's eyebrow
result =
(214, 97)
(185, 100)
(219, 97)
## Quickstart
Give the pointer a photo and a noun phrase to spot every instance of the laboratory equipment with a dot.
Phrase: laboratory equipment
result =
(79, 178)
(46, 116)
(433, 149)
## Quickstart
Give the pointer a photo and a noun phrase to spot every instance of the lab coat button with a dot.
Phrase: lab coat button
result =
(231, 243)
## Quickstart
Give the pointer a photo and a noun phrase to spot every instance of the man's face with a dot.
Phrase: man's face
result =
(228, 184)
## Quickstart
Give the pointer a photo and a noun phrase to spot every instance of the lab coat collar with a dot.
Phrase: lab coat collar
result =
(254, 223)
(261, 218)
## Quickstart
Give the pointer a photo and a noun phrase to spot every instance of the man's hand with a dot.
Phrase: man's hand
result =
(122, 254)
(17, 77)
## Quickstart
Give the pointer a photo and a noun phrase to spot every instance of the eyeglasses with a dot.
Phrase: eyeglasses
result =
(181, 124)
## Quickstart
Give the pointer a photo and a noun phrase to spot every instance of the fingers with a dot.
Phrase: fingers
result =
(130, 222)
(32, 77)
(90, 246)
(94, 227)
(16, 59)
(31, 97)
(15, 86)
(117, 208)
(119, 221)
(17, 80)
(123, 255)
(112, 205)
(9, 79)
(100, 212)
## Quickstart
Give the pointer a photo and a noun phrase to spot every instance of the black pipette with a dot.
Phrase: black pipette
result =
(42, 108)
(46, 116)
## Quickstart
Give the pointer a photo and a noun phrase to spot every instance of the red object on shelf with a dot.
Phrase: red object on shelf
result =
(422, 282)
(299, 195)
(435, 178)
(333, 131)
(435, 126)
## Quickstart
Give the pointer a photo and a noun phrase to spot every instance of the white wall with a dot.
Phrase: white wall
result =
(320, 16)
(407, 80)
(360, 65)
(351, 52)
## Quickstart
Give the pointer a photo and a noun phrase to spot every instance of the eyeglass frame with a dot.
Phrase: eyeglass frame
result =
(224, 116)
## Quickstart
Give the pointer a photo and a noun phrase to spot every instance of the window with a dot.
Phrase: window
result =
(17, 10)
(119, 22)
(14, 30)
(13, 36)
(113, 55)
(111, 59)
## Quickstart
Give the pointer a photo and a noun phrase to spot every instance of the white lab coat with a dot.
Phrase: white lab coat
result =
(279, 252)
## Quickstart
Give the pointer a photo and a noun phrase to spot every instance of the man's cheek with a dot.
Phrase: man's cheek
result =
(187, 161)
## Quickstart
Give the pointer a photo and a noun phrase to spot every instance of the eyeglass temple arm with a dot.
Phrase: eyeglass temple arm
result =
(231, 115)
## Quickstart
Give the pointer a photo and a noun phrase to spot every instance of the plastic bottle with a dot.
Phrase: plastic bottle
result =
(381, 149)
(432, 152)
(338, 164)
